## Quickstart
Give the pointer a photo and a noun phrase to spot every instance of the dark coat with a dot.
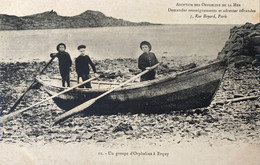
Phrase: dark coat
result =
(64, 60)
(147, 60)
(82, 65)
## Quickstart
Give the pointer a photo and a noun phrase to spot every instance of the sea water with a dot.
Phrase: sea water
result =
(115, 42)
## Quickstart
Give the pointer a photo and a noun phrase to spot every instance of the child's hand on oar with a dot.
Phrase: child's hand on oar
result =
(96, 75)
(52, 55)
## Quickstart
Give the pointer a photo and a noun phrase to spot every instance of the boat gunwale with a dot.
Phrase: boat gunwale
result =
(141, 84)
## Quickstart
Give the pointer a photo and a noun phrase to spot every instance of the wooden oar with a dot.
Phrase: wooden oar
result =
(10, 116)
(20, 98)
(238, 99)
(87, 104)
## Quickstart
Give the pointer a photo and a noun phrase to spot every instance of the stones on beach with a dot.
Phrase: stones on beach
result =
(189, 66)
(217, 121)
(122, 127)
(101, 140)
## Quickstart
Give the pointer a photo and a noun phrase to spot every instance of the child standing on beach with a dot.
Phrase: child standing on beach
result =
(82, 66)
(146, 60)
(64, 63)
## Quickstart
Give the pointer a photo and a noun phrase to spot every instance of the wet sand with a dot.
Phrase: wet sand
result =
(219, 128)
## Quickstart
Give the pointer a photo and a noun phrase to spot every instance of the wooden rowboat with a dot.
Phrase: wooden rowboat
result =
(189, 89)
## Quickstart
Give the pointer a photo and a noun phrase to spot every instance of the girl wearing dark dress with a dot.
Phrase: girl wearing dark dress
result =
(64, 63)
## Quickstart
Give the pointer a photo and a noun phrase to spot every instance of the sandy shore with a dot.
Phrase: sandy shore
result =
(223, 133)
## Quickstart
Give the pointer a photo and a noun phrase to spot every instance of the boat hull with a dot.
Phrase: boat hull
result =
(187, 90)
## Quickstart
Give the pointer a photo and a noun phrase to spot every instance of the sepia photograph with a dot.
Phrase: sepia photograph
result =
(129, 82)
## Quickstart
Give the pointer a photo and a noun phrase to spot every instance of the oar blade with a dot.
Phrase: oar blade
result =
(74, 111)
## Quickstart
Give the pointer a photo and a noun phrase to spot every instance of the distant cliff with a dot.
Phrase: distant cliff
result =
(51, 20)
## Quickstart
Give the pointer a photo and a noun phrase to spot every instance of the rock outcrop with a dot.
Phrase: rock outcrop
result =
(243, 45)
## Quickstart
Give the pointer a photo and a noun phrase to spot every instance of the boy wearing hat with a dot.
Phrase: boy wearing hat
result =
(82, 66)
(146, 60)
(64, 63)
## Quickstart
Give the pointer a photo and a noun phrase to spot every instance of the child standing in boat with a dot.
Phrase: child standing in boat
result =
(146, 60)
(82, 63)
(64, 63)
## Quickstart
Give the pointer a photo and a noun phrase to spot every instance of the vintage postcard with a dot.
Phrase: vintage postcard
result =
(129, 82)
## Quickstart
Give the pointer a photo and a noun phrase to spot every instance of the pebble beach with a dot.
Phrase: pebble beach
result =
(221, 127)
(223, 120)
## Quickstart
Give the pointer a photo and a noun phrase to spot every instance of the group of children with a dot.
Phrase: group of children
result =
(82, 62)
(82, 65)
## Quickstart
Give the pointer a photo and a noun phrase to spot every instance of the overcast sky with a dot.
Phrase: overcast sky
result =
(155, 11)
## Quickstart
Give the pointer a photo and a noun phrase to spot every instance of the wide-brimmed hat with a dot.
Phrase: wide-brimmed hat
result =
(146, 43)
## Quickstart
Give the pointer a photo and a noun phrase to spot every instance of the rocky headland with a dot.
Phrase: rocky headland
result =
(51, 20)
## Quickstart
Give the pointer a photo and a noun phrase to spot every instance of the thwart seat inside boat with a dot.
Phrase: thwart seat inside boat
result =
(55, 81)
